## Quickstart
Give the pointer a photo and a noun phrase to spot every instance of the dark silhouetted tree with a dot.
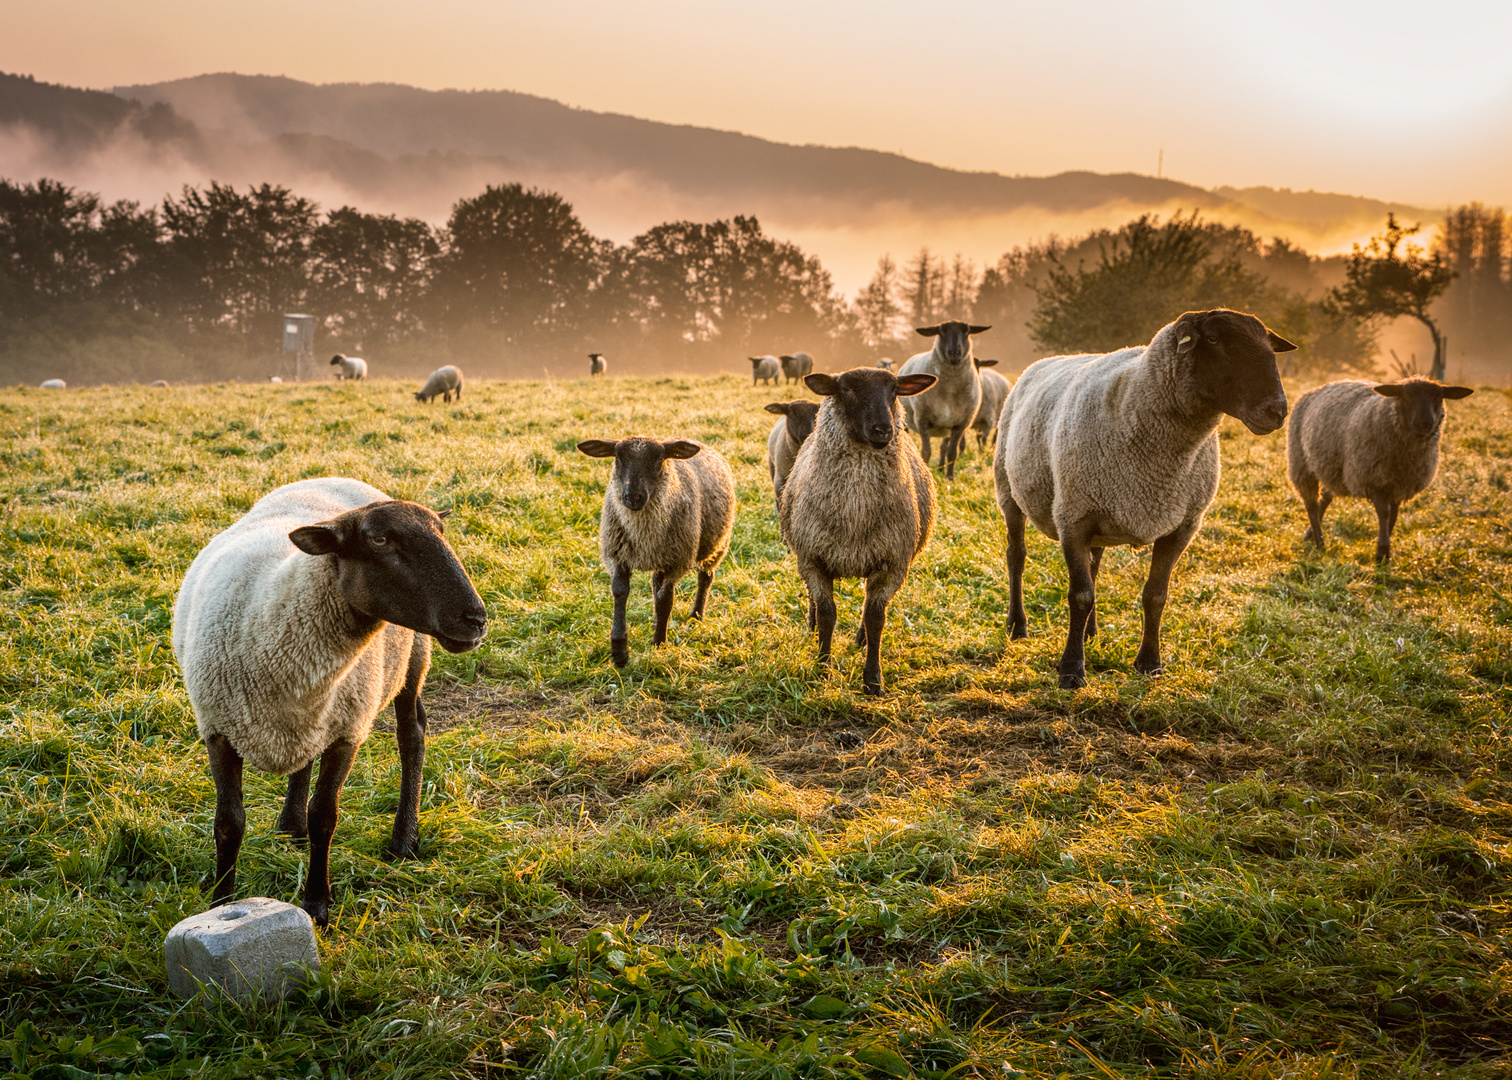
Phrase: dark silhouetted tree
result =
(878, 313)
(369, 275)
(1477, 308)
(1390, 279)
(924, 289)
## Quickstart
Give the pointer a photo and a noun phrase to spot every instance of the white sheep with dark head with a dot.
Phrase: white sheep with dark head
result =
(950, 405)
(352, 368)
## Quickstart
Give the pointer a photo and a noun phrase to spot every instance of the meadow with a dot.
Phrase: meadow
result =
(1287, 857)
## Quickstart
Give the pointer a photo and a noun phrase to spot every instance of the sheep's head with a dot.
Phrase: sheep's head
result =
(865, 400)
(1227, 359)
(639, 465)
(338, 358)
(1420, 403)
(393, 565)
(954, 339)
(800, 417)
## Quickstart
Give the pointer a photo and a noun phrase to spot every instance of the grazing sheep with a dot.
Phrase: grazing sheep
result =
(859, 502)
(444, 381)
(1374, 441)
(885, 363)
(795, 424)
(159, 382)
(994, 393)
(52, 384)
(274, 379)
(951, 405)
(1122, 448)
(349, 367)
(294, 627)
(669, 507)
(796, 366)
(763, 368)
(597, 365)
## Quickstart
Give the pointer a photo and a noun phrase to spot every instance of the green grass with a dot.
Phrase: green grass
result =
(1286, 857)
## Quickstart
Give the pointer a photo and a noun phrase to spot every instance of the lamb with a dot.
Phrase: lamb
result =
(597, 365)
(796, 366)
(349, 367)
(52, 384)
(1122, 448)
(951, 406)
(669, 507)
(859, 502)
(763, 368)
(293, 628)
(885, 363)
(1374, 441)
(794, 425)
(994, 393)
(444, 381)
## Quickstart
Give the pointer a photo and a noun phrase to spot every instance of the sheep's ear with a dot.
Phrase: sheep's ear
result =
(985, 363)
(316, 539)
(1277, 342)
(680, 449)
(786, 356)
(779, 407)
(823, 385)
(444, 514)
(978, 329)
(927, 331)
(1455, 392)
(755, 359)
(1389, 389)
(598, 447)
(909, 385)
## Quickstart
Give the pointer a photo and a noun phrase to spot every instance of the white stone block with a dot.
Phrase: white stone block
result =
(249, 948)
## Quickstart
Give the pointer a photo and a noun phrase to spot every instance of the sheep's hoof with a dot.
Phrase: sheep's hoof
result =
(319, 912)
(1017, 629)
(408, 848)
(871, 687)
(619, 652)
(1072, 680)
(1149, 667)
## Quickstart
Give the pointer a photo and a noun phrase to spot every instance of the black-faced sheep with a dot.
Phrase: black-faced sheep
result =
(293, 628)
(796, 366)
(1122, 448)
(794, 425)
(858, 503)
(669, 507)
(444, 381)
(597, 365)
(950, 406)
(764, 369)
(350, 368)
(1373, 441)
(885, 363)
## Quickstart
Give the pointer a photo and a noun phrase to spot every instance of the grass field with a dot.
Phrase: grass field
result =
(1286, 857)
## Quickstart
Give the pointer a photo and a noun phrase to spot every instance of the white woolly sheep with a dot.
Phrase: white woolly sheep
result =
(669, 507)
(444, 381)
(53, 384)
(275, 379)
(1372, 441)
(1122, 448)
(764, 369)
(951, 405)
(796, 366)
(597, 365)
(159, 382)
(795, 423)
(859, 502)
(349, 367)
(994, 393)
(293, 628)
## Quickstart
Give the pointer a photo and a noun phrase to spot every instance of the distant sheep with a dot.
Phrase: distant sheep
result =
(796, 366)
(764, 369)
(885, 363)
(669, 507)
(994, 393)
(794, 425)
(159, 382)
(1122, 448)
(274, 379)
(293, 628)
(52, 384)
(597, 365)
(859, 502)
(950, 406)
(1373, 441)
(352, 368)
(444, 381)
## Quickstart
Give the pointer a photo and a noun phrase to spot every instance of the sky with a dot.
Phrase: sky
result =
(1401, 101)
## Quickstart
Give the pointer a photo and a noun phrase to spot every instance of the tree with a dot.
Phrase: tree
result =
(1477, 308)
(369, 275)
(924, 288)
(878, 313)
(1389, 279)
(961, 287)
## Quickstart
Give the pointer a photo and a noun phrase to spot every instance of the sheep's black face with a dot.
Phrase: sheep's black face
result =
(393, 565)
(1420, 403)
(800, 417)
(1229, 360)
(639, 465)
(865, 401)
(954, 344)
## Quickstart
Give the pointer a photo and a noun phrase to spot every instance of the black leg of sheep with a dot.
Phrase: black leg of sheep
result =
(1162, 561)
(409, 733)
(619, 636)
(294, 820)
(335, 764)
(1018, 624)
(230, 817)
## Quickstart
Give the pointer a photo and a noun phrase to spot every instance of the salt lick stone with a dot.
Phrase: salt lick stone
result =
(249, 948)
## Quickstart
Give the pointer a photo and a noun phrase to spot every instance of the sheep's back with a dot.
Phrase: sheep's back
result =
(950, 403)
(442, 380)
(994, 393)
(1350, 439)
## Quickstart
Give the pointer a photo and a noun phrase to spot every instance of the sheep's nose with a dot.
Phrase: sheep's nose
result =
(476, 619)
(880, 435)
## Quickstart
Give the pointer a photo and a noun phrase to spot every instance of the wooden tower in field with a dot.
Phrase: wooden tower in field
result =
(299, 339)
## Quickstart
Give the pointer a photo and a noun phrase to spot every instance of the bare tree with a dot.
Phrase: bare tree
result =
(1389, 279)
(924, 286)
(877, 307)
(961, 285)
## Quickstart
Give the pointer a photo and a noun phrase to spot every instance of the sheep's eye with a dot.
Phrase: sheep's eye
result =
(379, 541)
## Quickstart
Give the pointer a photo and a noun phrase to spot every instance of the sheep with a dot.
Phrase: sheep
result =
(52, 384)
(951, 406)
(859, 502)
(796, 366)
(293, 628)
(885, 363)
(159, 382)
(275, 379)
(1374, 441)
(795, 423)
(444, 381)
(349, 367)
(763, 368)
(1122, 448)
(994, 393)
(597, 365)
(669, 507)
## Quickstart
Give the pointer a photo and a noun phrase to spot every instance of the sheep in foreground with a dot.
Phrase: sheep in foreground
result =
(951, 405)
(597, 365)
(444, 381)
(52, 384)
(1373, 441)
(669, 507)
(794, 425)
(763, 369)
(1122, 448)
(293, 628)
(885, 363)
(994, 393)
(796, 366)
(349, 367)
(859, 502)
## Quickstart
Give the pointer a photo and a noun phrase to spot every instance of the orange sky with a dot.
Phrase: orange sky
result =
(1403, 101)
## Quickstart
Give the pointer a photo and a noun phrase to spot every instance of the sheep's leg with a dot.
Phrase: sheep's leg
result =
(813, 612)
(409, 733)
(294, 820)
(701, 598)
(335, 764)
(1157, 586)
(1386, 520)
(924, 444)
(1097, 554)
(879, 590)
(1081, 596)
(230, 817)
(1018, 624)
(953, 441)
(663, 588)
(821, 586)
(619, 637)
(1307, 486)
